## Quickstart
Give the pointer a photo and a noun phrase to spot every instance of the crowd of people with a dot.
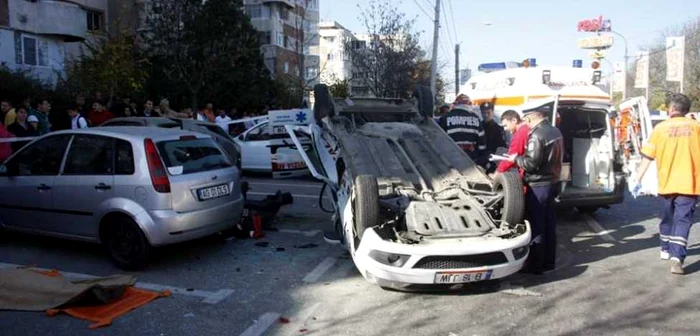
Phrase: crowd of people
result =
(24, 119)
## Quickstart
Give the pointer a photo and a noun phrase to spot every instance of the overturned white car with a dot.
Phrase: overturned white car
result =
(411, 207)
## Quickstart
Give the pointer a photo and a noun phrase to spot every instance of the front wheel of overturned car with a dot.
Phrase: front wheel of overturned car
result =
(366, 204)
(323, 105)
(513, 210)
(425, 101)
(126, 243)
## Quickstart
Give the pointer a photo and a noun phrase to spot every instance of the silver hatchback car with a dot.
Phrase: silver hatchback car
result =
(128, 188)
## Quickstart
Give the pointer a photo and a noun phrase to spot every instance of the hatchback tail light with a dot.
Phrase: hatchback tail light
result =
(159, 176)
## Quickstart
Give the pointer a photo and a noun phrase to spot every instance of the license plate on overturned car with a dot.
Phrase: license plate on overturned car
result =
(213, 192)
(461, 277)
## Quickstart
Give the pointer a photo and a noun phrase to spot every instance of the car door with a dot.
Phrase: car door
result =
(26, 199)
(85, 185)
(636, 123)
(255, 148)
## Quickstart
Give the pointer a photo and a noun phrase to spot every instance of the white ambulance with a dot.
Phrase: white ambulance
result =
(592, 170)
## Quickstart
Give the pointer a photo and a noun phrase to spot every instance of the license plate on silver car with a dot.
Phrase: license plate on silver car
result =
(461, 277)
(213, 192)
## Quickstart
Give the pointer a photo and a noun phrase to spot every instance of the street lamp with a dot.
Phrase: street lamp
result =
(624, 90)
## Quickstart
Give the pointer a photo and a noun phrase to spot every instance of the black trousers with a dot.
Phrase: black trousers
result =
(539, 202)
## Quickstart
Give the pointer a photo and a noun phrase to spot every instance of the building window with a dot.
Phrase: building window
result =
(358, 45)
(280, 39)
(284, 14)
(329, 39)
(311, 72)
(265, 37)
(94, 20)
(286, 67)
(257, 11)
(331, 56)
(35, 51)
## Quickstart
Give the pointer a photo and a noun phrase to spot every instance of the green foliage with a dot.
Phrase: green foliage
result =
(113, 66)
(208, 51)
(339, 88)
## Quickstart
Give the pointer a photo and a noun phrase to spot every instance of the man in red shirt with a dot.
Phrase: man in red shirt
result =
(99, 114)
(511, 121)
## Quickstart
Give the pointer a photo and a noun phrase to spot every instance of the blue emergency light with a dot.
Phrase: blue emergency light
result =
(489, 67)
(578, 63)
(533, 62)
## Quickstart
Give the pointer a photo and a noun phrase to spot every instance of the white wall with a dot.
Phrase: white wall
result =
(48, 73)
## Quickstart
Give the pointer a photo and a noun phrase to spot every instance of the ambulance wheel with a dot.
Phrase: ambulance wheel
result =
(510, 185)
(366, 204)
(323, 105)
(425, 101)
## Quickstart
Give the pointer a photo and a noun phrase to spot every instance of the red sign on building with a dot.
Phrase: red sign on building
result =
(595, 25)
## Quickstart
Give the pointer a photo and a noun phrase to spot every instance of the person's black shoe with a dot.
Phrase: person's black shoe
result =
(331, 237)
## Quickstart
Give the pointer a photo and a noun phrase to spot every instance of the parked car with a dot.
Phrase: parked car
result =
(268, 149)
(120, 186)
(219, 135)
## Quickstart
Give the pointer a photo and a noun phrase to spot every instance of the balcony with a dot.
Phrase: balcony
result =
(289, 3)
(49, 17)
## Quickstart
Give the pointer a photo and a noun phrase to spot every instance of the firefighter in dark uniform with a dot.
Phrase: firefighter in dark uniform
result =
(495, 134)
(466, 130)
(541, 163)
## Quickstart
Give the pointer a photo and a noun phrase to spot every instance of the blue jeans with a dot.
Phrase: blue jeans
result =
(675, 224)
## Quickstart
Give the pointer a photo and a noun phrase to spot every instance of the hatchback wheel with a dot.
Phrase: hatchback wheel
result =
(126, 244)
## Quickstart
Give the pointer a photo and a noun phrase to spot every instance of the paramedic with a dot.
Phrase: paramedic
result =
(675, 146)
(511, 122)
(466, 130)
(494, 134)
(541, 163)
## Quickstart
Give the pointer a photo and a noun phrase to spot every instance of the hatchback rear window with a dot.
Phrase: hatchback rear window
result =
(192, 156)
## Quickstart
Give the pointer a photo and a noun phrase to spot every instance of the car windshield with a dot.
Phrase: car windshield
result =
(193, 155)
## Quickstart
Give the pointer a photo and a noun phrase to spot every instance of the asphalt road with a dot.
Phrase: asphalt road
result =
(609, 281)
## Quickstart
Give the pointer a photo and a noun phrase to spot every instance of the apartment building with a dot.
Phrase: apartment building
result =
(336, 64)
(288, 31)
(37, 35)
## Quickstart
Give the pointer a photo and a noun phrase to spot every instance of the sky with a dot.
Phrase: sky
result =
(513, 30)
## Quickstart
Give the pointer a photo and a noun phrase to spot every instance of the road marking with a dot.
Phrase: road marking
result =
(322, 268)
(599, 230)
(262, 324)
(293, 195)
(211, 297)
(309, 233)
(319, 186)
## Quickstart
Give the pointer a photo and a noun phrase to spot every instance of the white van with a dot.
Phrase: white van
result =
(593, 179)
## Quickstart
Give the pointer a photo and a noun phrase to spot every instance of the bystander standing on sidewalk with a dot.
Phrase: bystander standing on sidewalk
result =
(42, 116)
(99, 114)
(21, 128)
(675, 146)
(8, 112)
(77, 121)
(222, 119)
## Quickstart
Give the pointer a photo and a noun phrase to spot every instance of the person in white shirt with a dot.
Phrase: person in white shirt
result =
(222, 120)
(77, 121)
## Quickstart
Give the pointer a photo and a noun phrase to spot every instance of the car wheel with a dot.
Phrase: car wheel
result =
(425, 101)
(366, 204)
(589, 210)
(126, 243)
(511, 186)
(323, 105)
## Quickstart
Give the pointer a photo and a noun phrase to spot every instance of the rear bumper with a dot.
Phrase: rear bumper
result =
(163, 227)
(597, 200)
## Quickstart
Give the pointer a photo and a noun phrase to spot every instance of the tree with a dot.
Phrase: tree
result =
(210, 50)
(339, 88)
(113, 65)
(658, 86)
(389, 60)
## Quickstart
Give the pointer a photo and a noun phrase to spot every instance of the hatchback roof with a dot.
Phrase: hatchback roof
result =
(134, 132)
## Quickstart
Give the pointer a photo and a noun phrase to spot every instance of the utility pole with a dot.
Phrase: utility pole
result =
(433, 63)
(456, 69)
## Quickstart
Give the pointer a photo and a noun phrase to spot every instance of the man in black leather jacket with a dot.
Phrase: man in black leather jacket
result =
(542, 163)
